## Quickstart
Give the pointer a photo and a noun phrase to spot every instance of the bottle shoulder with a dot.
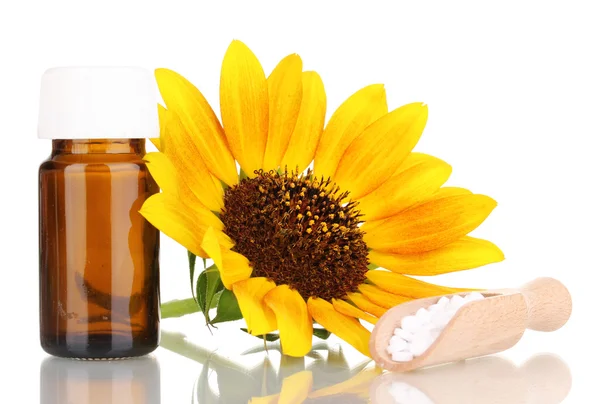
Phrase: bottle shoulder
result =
(93, 162)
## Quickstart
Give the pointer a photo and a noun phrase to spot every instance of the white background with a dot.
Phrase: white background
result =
(514, 95)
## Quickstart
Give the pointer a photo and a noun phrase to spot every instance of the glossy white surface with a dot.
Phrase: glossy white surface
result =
(194, 366)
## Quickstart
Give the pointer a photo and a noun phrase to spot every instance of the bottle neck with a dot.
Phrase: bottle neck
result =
(99, 146)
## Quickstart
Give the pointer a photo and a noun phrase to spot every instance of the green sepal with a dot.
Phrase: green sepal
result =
(268, 337)
(321, 333)
(208, 290)
(215, 301)
(227, 308)
(372, 266)
(192, 262)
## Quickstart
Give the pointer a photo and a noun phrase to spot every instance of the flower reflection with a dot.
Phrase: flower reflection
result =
(543, 379)
(324, 376)
(132, 381)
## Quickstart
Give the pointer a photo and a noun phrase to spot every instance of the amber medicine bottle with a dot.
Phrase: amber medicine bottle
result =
(99, 279)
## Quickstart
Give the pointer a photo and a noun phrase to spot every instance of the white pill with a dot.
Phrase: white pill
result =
(474, 296)
(435, 307)
(405, 335)
(441, 319)
(443, 301)
(451, 310)
(431, 326)
(410, 323)
(435, 334)
(402, 356)
(398, 343)
(421, 343)
(423, 316)
(457, 302)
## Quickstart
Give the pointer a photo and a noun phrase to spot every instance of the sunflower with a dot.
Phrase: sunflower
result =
(320, 223)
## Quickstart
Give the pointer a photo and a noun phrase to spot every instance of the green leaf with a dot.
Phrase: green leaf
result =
(321, 333)
(192, 262)
(227, 308)
(207, 288)
(215, 300)
(268, 337)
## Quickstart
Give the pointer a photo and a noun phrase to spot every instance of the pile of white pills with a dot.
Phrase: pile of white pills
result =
(416, 333)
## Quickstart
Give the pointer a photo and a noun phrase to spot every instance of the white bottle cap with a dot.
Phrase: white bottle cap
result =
(98, 103)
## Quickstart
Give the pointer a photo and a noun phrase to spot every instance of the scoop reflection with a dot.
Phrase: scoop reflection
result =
(131, 381)
(543, 379)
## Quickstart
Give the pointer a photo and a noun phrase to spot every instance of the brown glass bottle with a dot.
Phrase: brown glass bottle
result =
(99, 289)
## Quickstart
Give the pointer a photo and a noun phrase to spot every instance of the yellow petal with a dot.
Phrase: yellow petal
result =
(233, 267)
(156, 142)
(163, 172)
(272, 399)
(347, 328)
(405, 189)
(347, 122)
(244, 106)
(211, 245)
(429, 226)
(293, 320)
(179, 147)
(285, 96)
(445, 192)
(352, 311)
(250, 293)
(375, 154)
(309, 126)
(176, 220)
(466, 253)
(295, 388)
(236, 267)
(200, 122)
(381, 297)
(407, 286)
(413, 159)
(162, 120)
(365, 304)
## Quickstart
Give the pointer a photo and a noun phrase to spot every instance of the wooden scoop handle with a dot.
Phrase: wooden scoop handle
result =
(548, 302)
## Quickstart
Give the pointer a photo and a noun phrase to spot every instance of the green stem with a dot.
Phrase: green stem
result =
(178, 308)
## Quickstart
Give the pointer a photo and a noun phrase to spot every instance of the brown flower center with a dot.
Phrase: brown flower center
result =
(296, 230)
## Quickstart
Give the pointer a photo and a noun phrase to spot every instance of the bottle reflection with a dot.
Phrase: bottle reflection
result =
(543, 379)
(131, 381)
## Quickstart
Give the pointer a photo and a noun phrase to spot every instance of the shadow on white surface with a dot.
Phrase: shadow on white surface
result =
(543, 379)
(131, 381)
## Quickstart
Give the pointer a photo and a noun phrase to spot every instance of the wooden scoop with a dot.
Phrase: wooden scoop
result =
(479, 328)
